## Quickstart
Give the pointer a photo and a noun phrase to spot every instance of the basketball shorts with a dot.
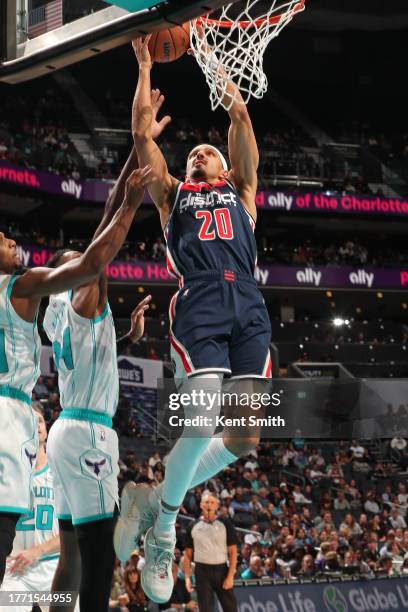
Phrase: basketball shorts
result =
(18, 454)
(219, 323)
(83, 456)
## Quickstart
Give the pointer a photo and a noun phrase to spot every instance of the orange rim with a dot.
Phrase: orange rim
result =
(247, 24)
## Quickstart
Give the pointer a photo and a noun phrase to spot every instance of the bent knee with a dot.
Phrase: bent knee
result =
(241, 446)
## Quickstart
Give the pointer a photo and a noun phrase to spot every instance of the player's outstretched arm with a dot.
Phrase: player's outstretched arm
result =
(92, 297)
(39, 282)
(242, 145)
(147, 150)
(242, 150)
(115, 198)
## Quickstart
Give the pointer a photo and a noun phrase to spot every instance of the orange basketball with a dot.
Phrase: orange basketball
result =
(169, 45)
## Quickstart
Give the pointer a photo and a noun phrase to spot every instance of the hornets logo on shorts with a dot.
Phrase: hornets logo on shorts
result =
(96, 464)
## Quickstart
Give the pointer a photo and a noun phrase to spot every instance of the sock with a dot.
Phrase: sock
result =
(185, 456)
(214, 459)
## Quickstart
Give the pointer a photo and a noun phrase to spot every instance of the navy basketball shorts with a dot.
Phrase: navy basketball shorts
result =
(219, 323)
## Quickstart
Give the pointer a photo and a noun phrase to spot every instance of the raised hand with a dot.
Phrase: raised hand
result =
(137, 319)
(157, 101)
(136, 184)
(141, 48)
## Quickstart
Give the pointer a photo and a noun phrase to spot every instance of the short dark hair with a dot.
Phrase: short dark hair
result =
(55, 259)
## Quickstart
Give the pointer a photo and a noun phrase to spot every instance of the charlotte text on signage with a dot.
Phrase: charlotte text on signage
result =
(317, 277)
(307, 202)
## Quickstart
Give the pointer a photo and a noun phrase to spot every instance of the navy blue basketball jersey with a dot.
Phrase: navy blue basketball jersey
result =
(209, 229)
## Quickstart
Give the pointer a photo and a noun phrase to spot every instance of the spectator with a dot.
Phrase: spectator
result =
(308, 569)
(341, 503)
(356, 451)
(254, 536)
(136, 599)
(244, 558)
(396, 520)
(351, 524)
(371, 505)
(255, 569)
(299, 497)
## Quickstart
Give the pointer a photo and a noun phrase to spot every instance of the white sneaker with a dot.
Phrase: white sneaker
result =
(157, 576)
(137, 515)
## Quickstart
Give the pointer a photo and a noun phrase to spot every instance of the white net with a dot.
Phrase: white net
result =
(230, 46)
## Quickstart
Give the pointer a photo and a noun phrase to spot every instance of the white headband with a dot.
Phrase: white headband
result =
(220, 155)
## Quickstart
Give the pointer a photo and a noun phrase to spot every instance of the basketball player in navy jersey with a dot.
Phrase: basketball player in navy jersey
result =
(219, 323)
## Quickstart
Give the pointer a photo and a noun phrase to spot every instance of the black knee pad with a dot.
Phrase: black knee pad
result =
(8, 524)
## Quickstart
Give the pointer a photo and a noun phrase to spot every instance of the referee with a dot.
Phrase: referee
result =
(211, 542)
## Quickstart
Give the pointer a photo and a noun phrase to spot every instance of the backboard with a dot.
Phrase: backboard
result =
(39, 36)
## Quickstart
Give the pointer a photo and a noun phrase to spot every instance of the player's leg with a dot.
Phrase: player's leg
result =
(98, 559)
(141, 503)
(185, 456)
(8, 523)
(181, 465)
(251, 367)
(200, 324)
(87, 469)
(13, 583)
(67, 575)
(19, 444)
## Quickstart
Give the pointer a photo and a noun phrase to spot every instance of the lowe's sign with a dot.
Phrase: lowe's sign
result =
(374, 595)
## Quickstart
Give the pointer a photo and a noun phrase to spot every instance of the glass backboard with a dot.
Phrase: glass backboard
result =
(39, 36)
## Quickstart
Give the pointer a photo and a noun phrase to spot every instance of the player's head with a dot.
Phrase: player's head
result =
(209, 505)
(61, 257)
(206, 163)
(42, 428)
(9, 260)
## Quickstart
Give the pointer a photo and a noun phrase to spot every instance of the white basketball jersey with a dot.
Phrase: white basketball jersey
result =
(41, 523)
(20, 344)
(85, 356)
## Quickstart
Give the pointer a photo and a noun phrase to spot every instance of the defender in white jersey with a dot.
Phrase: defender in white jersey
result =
(20, 294)
(32, 563)
(20, 347)
(84, 349)
(83, 448)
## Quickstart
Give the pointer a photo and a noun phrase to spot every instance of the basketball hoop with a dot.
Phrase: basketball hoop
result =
(230, 45)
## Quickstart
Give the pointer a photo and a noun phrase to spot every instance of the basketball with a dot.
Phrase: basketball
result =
(169, 45)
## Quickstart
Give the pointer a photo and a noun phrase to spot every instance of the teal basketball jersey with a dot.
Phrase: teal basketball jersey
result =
(85, 356)
(20, 347)
(41, 523)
